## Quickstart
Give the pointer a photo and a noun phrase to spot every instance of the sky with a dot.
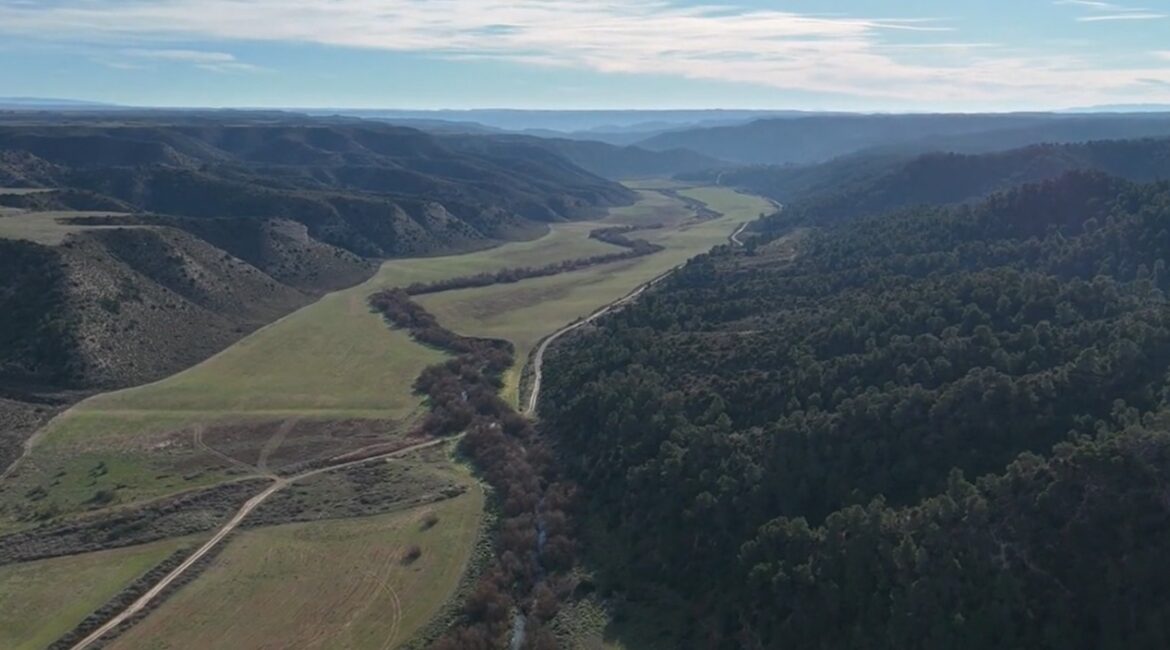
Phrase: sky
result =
(887, 55)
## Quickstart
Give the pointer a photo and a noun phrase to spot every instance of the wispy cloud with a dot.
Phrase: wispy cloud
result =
(849, 55)
(201, 59)
(1092, 4)
(1123, 16)
(1108, 11)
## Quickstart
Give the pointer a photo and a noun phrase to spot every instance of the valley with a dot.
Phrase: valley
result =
(558, 325)
(327, 380)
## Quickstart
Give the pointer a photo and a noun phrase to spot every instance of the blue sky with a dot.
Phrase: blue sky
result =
(806, 54)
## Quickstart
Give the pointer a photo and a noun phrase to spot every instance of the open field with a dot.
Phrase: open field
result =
(21, 191)
(41, 601)
(728, 202)
(527, 311)
(338, 584)
(44, 227)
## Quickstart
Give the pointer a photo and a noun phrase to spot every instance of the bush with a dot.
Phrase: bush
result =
(412, 554)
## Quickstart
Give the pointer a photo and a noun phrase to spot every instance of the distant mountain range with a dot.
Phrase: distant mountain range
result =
(871, 184)
(820, 138)
(47, 103)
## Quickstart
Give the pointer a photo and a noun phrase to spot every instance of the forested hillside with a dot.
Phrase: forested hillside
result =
(854, 186)
(947, 427)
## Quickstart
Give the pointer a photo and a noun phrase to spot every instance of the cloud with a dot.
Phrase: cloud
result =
(1124, 16)
(187, 56)
(203, 60)
(1092, 4)
(855, 56)
(1112, 12)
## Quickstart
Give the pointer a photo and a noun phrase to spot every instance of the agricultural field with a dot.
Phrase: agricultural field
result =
(352, 583)
(41, 601)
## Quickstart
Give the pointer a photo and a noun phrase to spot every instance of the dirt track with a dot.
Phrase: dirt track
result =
(538, 358)
(221, 534)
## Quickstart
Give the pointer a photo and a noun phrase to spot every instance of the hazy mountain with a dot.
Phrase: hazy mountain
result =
(857, 185)
(607, 160)
(821, 138)
(48, 103)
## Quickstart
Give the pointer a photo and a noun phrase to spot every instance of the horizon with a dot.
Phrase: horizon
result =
(13, 103)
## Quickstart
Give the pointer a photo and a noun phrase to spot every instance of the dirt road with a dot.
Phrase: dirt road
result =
(538, 358)
(221, 534)
(734, 238)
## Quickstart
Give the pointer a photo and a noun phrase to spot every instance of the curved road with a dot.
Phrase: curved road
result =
(281, 483)
(735, 235)
(538, 358)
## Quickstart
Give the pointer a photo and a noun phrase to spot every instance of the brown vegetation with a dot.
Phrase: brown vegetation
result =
(534, 545)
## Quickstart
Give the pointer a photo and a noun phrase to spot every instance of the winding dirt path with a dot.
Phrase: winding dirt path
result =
(538, 358)
(225, 530)
(734, 238)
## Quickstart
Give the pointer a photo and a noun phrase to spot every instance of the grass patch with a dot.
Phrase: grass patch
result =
(341, 583)
(729, 202)
(41, 601)
(44, 227)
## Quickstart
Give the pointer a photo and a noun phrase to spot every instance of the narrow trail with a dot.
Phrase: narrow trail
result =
(538, 358)
(225, 530)
(734, 238)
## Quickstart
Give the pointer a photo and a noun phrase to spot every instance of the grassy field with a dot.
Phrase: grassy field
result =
(43, 227)
(527, 311)
(41, 601)
(721, 199)
(335, 584)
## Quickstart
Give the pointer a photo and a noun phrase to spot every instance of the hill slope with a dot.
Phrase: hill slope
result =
(859, 185)
(372, 189)
(784, 442)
